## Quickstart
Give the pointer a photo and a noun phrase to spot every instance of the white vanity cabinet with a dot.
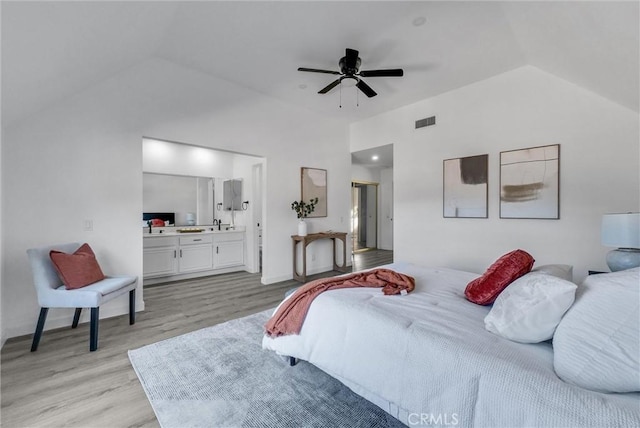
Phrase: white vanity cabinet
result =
(181, 256)
(160, 256)
(195, 253)
(228, 250)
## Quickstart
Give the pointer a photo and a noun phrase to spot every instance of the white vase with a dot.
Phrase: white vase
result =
(302, 227)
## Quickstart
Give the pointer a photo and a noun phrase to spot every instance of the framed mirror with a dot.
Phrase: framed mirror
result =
(313, 184)
(190, 198)
(232, 195)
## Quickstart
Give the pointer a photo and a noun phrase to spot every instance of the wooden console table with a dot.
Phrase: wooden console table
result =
(306, 240)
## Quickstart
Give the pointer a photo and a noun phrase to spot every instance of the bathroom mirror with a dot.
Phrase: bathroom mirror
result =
(192, 199)
(232, 195)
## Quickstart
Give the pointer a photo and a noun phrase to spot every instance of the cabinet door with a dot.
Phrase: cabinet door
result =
(195, 257)
(230, 253)
(159, 261)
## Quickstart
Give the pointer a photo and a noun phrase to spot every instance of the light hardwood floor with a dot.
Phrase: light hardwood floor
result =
(63, 384)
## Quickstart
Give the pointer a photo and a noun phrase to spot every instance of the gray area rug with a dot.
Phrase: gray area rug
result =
(220, 377)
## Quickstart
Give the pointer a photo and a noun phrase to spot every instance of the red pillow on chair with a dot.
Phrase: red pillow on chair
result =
(502, 272)
(78, 269)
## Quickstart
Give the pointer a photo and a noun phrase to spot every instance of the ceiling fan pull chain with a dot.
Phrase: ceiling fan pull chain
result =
(340, 96)
(357, 98)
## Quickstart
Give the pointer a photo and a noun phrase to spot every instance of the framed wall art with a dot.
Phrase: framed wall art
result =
(530, 183)
(465, 187)
(314, 185)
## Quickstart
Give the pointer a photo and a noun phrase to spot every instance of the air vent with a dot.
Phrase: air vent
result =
(425, 122)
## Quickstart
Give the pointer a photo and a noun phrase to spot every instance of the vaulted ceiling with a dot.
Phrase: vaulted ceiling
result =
(52, 50)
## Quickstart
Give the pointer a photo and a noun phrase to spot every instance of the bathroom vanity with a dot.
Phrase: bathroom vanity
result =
(172, 256)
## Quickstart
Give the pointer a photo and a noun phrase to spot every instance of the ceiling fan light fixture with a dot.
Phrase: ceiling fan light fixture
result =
(348, 81)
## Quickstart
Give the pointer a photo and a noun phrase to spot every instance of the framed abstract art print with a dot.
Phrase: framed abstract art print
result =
(530, 183)
(465, 187)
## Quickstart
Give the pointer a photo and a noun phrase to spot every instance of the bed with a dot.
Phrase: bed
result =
(427, 359)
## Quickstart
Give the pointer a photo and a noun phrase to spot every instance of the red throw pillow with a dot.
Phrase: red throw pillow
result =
(502, 272)
(78, 269)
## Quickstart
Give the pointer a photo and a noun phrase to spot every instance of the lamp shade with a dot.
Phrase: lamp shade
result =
(621, 230)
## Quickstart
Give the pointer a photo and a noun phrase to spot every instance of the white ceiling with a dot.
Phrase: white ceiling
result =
(52, 50)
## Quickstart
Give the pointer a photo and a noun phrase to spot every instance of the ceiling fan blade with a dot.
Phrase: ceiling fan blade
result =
(315, 70)
(366, 89)
(392, 72)
(329, 87)
(351, 59)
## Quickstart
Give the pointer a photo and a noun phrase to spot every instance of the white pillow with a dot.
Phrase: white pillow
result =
(561, 271)
(597, 343)
(530, 308)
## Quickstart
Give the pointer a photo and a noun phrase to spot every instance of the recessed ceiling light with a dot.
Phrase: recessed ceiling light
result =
(302, 86)
(420, 20)
(374, 157)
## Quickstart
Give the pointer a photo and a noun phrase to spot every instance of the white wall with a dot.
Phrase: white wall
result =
(364, 173)
(385, 210)
(522, 108)
(166, 157)
(82, 159)
(3, 335)
(372, 216)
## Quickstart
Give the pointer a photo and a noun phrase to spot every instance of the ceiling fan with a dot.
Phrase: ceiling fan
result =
(350, 71)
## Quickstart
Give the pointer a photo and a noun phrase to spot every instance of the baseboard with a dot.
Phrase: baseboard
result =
(266, 280)
(163, 279)
(58, 318)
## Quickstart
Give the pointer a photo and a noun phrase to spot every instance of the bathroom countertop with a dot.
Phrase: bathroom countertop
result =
(157, 234)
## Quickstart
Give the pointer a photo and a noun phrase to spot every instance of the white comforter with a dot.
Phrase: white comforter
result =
(426, 359)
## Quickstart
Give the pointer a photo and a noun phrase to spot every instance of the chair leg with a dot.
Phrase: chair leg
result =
(93, 332)
(132, 307)
(76, 317)
(40, 326)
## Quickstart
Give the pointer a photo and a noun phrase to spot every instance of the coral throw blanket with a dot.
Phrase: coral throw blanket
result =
(290, 315)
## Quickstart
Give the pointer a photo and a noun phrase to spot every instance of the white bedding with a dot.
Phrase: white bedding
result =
(427, 359)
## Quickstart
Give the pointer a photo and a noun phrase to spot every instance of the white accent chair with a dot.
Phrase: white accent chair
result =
(53, 294)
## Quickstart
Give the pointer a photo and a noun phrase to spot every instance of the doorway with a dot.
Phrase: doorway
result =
(204, 202)
(364, 215)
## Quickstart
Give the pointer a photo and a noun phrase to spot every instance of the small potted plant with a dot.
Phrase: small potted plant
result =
(303, 209)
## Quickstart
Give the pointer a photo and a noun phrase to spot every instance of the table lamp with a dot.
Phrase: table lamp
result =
(622, 231)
